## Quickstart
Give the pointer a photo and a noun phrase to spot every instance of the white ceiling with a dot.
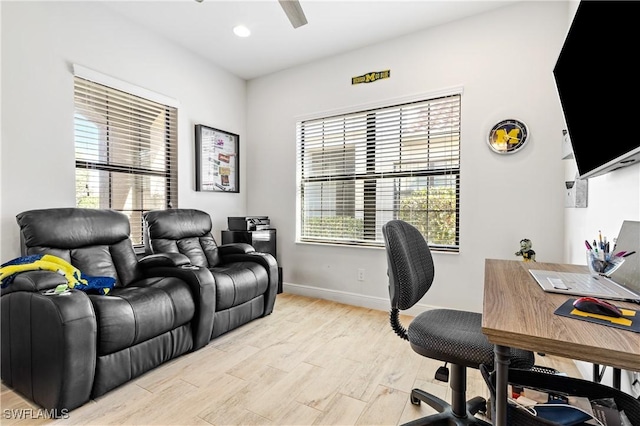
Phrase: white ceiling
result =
(334, 27)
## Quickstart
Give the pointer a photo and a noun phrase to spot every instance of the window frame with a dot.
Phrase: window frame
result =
(370, 221)
(164, 131)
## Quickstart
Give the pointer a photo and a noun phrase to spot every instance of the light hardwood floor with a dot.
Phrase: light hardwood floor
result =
(311, 362)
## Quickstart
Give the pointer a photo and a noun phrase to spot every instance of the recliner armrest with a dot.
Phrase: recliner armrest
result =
(164, 259)
(49, 346)
(202, 286)
(34, 281)
(235, 248)
(269, 263)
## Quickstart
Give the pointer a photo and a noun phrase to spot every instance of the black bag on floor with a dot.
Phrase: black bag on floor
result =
(517, 416)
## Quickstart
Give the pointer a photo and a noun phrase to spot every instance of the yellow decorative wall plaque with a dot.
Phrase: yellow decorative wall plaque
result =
(371, 77)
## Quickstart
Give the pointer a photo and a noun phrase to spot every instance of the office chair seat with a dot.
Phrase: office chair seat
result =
(443, 334)
(455, 337)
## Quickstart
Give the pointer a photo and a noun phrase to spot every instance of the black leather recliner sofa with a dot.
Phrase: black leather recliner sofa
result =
(246, 281)
(62, 350)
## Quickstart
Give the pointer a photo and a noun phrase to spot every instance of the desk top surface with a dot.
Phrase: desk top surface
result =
(518, 313)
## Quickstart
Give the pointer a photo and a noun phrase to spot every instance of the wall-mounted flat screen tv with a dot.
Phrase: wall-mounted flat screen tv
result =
(598, 82)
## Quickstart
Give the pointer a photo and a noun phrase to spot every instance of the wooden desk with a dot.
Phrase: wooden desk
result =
(518, 313)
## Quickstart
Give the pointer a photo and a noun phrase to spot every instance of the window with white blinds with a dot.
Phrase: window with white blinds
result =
(359, 170)
(126, 152)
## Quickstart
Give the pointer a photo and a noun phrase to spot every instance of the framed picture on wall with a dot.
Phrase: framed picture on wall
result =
(217, 160)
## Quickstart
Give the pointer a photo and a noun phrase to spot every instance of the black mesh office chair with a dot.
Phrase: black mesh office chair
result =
(447, 335)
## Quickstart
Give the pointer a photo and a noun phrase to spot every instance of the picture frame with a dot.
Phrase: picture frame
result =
(217, 160)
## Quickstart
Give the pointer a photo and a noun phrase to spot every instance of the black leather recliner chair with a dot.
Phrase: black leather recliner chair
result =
(246, 281)
(62, 350)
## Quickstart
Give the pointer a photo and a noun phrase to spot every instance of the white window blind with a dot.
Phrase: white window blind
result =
(126, 152)
(359, 170)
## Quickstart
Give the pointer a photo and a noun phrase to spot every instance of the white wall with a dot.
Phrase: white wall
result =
(40, 41)
(612, 198)
(504, 61)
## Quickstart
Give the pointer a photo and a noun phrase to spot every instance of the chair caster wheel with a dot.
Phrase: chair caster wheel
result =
(477, 405)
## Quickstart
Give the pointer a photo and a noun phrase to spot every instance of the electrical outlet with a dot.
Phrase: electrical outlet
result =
(360, 274)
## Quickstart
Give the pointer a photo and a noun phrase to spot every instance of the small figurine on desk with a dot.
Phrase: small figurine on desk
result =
(528, 255)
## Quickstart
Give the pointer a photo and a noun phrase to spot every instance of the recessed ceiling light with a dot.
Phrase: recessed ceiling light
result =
(241, 31)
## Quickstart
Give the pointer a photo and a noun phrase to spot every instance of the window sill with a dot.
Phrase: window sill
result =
(354, 246)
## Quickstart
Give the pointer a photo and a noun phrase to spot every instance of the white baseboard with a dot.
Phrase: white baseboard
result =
(354, 299)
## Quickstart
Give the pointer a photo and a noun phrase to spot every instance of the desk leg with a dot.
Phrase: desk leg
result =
(617, 377)
(502, 356)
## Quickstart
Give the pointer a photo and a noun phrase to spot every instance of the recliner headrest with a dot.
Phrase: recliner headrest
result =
(69, 228)
(176, 224)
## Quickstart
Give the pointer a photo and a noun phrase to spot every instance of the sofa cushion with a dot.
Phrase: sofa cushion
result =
(239, 282)
(134, 314)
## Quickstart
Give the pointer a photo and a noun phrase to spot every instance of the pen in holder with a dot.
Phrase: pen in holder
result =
(603, 264)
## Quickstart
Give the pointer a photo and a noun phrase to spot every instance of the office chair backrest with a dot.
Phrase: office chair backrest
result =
(410, 265)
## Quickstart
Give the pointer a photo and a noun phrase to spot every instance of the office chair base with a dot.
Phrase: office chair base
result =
(445, 415)
(477, 405)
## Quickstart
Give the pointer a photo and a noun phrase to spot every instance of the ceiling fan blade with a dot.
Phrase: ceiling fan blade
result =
(294, 12)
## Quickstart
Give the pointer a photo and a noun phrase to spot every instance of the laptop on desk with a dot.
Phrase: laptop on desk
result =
(622, 284)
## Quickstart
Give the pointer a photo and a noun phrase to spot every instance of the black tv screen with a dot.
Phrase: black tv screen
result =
(598, 80)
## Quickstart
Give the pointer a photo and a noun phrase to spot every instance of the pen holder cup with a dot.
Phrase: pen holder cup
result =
(602, 265)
